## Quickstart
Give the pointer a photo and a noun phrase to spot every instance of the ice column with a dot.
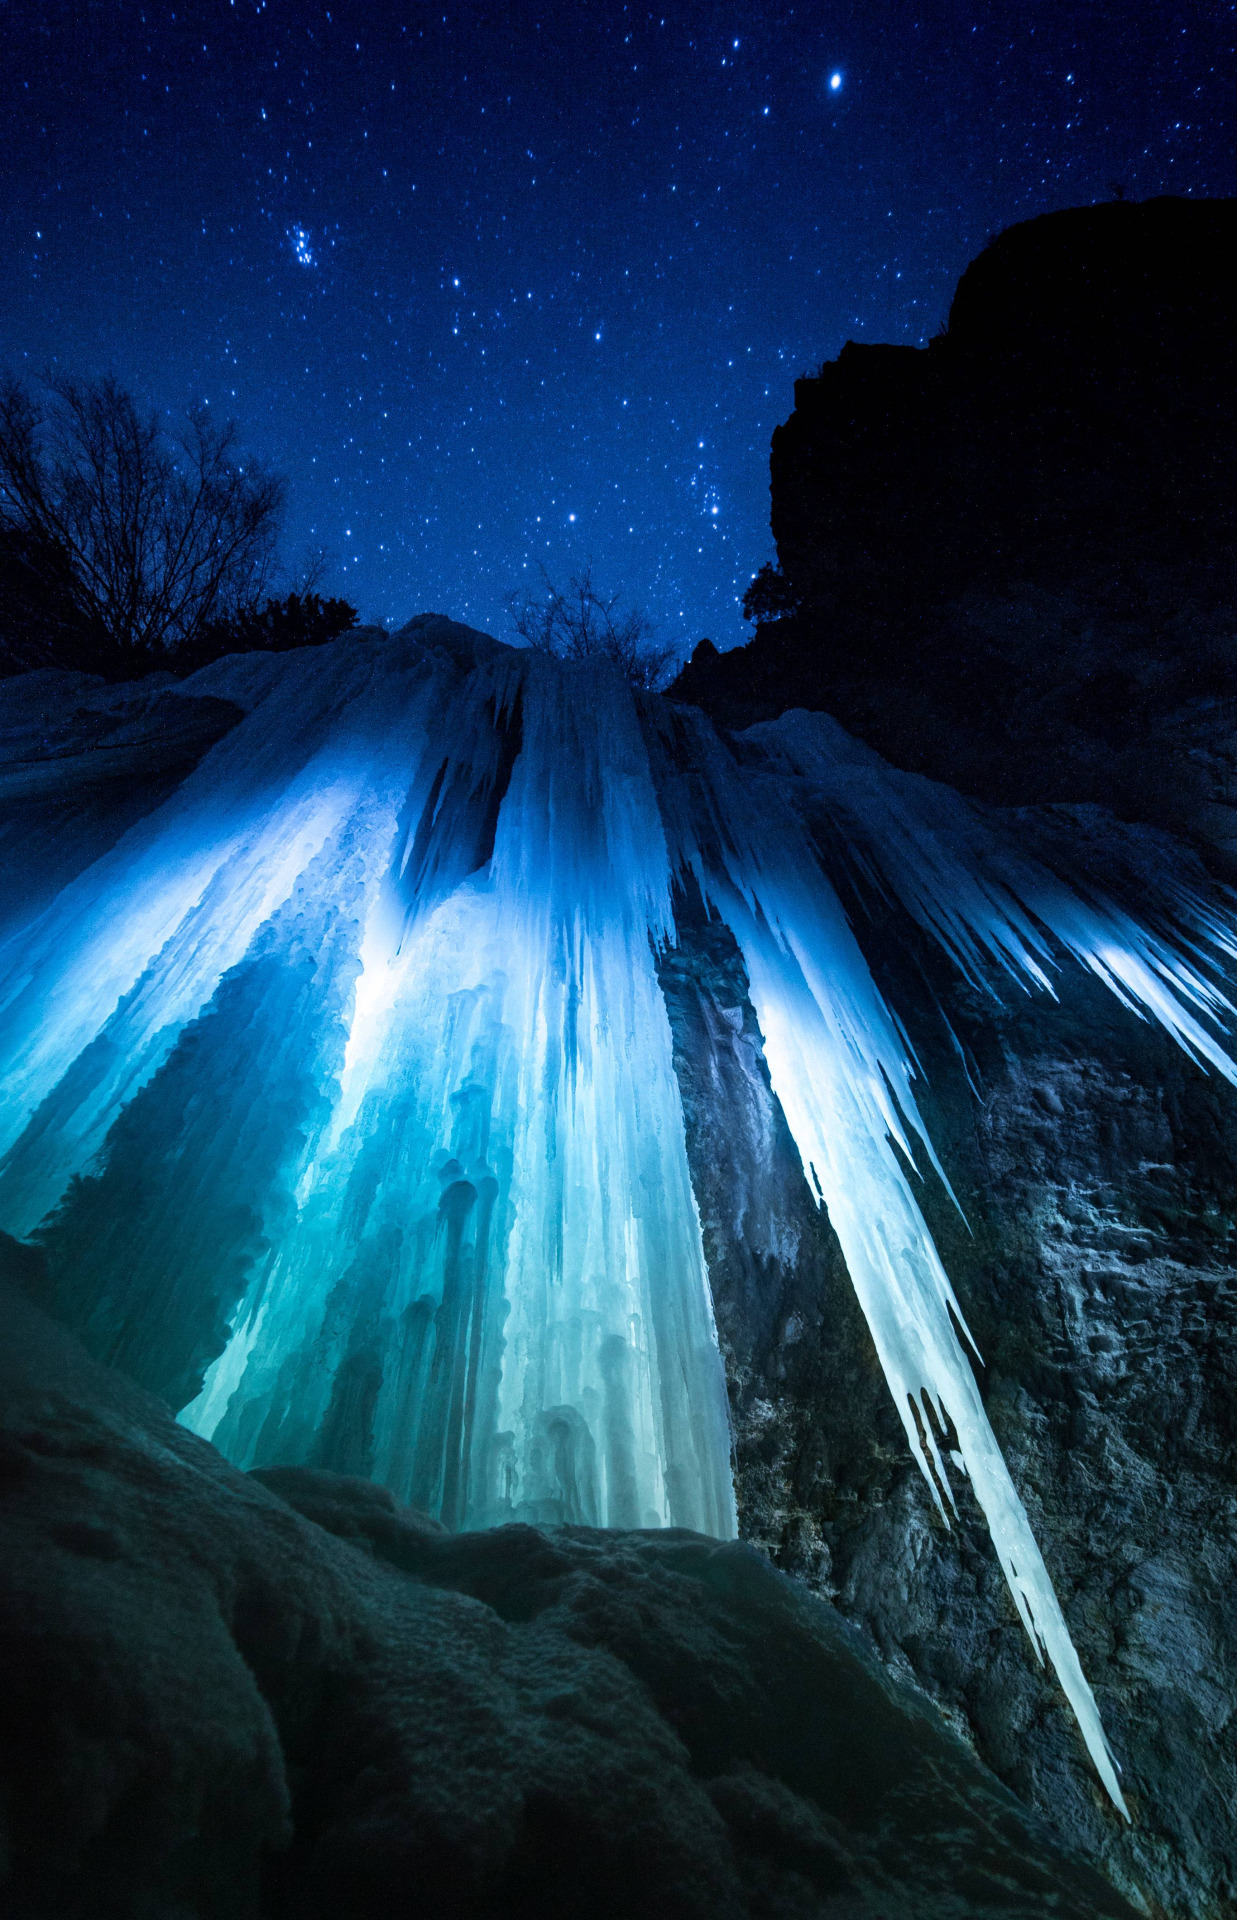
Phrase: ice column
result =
(345, 1079)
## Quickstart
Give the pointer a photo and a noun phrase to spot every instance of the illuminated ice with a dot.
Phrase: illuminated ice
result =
(340, 1089)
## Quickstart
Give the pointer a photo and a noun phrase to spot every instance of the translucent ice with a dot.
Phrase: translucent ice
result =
(340, 1088)
(358, 1043)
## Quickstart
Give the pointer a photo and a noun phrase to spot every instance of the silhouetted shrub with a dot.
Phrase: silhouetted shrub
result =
(41, 621)
(583, 624)
(298, 620)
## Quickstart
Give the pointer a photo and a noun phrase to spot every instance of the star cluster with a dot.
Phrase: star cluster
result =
(509, 288)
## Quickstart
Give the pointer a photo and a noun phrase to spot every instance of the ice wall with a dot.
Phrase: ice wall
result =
(345, 1077)
(340, 1090)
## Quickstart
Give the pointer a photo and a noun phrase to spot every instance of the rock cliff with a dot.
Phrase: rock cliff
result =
(1098, 1176)
(1012, 558)
(1013, 551)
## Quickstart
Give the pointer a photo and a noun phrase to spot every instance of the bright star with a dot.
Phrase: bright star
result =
(835, 81)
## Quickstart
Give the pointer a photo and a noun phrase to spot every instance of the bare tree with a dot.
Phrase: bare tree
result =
(146, 537)
(583, 624)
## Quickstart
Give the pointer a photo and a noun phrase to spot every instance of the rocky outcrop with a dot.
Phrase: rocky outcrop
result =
(280, 1694)
(1013, 551)
(1076, 413)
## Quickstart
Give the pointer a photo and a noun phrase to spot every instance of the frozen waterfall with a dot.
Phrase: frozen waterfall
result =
(340, 1090)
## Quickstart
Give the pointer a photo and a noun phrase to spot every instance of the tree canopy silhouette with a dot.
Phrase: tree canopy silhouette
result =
(770, 596)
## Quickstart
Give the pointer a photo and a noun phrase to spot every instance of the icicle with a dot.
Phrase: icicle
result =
(841, 1072)
(985, 895)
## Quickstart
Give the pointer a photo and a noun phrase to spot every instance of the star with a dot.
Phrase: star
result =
(378, 414)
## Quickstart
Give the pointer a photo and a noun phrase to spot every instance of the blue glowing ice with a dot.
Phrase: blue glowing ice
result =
(340, 1088)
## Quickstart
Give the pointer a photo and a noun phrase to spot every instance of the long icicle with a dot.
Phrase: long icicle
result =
(841, 1072)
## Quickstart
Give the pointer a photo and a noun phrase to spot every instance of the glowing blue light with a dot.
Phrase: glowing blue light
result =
(530, 988)
(835, 82)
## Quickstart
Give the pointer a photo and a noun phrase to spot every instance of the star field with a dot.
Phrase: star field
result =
(505, 286)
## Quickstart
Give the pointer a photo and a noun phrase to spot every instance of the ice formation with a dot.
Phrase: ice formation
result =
(340, 1088)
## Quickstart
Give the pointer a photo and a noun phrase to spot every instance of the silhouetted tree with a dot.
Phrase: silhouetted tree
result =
(583, 624)
(122, 543)
(770, 596)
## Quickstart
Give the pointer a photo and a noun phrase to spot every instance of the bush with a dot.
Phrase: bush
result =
(41, 621)
(299, 620)
(581, 624)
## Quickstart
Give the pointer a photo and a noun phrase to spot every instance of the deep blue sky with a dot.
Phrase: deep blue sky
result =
(500, 285)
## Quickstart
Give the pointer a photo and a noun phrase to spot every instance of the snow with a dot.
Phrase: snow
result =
(345, 1076)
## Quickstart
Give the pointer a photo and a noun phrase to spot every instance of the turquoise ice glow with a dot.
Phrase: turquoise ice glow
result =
(340, 1088)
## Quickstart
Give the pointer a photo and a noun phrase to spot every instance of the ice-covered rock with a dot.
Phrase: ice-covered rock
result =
(233, 1697)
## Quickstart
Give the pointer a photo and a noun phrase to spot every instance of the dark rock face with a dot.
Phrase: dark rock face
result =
(1014, 550)
(1013, 559)
(280, 1694)
(1077, 410)
(1098, 1172)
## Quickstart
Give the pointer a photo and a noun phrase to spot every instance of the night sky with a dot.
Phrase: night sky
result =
(496, 286)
